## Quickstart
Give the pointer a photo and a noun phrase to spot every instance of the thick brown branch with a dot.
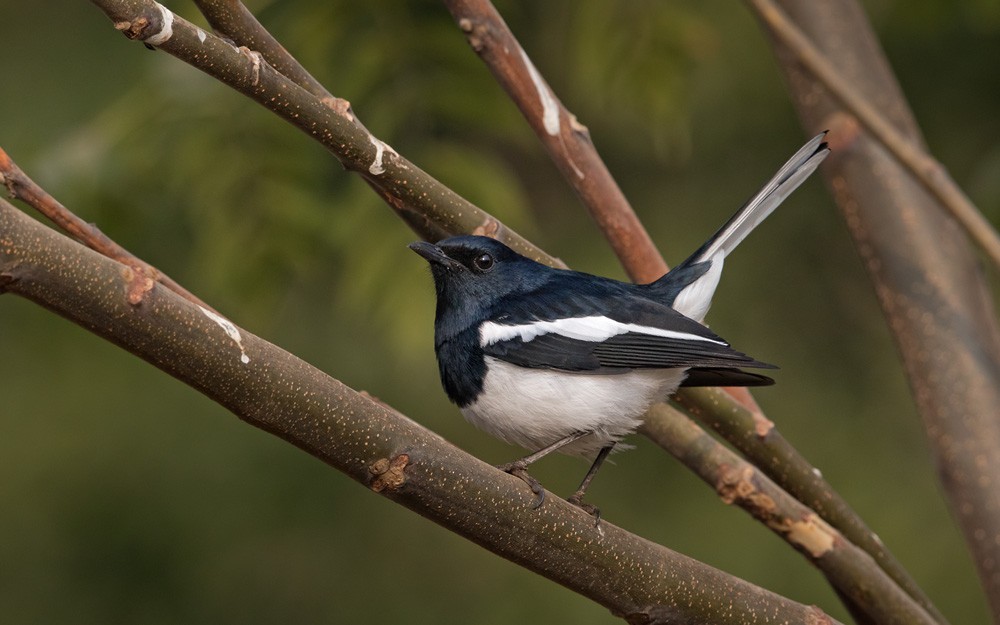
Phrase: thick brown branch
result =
(852, 572)
(929, 283)
(374, 445)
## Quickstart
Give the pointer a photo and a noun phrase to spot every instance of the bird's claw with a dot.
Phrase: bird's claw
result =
(577, 500)
(518, 470)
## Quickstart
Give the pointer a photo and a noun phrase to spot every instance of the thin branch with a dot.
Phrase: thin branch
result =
(566, 139)
(928, 171)
(21, 187)
(374, 445)
(423, 202)
(854, 574)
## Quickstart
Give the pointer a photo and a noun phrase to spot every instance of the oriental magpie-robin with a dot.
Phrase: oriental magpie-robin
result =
(551, 359)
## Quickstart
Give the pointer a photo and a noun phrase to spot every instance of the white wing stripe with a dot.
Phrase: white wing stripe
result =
(593, 329)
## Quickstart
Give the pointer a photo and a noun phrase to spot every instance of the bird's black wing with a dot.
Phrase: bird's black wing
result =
(609, 329)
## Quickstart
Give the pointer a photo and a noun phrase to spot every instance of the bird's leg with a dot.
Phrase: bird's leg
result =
(518, 468)
(577, 498)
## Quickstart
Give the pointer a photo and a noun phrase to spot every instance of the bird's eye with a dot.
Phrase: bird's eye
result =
(483, 262)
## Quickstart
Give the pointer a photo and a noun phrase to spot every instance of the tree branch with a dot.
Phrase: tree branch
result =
(928, 171)
(856, 577)
(931, 288)
(566, 139)
(374, 445)
(20, 186)
(424, 203)
(757, 439)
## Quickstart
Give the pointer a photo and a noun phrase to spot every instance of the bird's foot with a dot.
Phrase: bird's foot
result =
(577, 500)
(518, 469)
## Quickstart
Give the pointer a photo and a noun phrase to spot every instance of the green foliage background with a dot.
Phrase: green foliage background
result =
(127, 497)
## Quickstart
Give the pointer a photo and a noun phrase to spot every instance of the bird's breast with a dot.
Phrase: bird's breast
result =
(535, 407)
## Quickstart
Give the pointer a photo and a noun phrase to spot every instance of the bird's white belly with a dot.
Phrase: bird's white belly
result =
(536, 407)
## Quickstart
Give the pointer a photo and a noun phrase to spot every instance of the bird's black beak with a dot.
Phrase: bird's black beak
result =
(434, 254)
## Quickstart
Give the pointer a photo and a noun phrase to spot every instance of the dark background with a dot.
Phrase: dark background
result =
(127, 497)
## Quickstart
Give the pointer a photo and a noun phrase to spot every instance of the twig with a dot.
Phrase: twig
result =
(849, 570)
(376, 446)
(21, 187)
(928, 171)
(566, 139)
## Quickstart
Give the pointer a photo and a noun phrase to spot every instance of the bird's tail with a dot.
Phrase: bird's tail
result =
(689, 287)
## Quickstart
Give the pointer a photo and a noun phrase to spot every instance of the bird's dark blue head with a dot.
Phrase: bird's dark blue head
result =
(471, 274)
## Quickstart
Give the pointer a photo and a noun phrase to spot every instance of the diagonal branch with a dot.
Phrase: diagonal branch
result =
(756, 438)
(856, 577)
(924, 168)
(20, 186)
(374, 445)
(232, 19)
(424, 203)
(566, 139)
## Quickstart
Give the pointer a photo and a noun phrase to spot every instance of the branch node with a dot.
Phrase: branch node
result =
(389, 474)
(474, 33)
(255, 60)
(577, 127)
(138, 283)
(340, 106)
(845, 129)
(377, 168)
(762, 425)
(138, 28)
(489, 228)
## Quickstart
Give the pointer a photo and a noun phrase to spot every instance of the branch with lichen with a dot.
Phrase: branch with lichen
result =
(373, 444)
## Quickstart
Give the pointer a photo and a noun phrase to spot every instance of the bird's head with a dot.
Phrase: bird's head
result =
(472, 273)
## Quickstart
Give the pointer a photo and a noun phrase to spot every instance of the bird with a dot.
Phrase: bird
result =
(559, 360)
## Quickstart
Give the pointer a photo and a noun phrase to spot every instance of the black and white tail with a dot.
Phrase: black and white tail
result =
(692, 283)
